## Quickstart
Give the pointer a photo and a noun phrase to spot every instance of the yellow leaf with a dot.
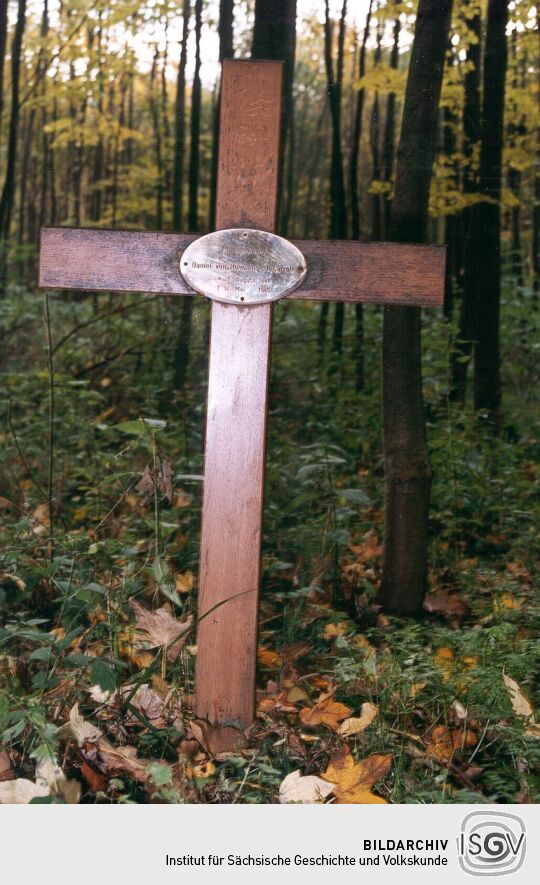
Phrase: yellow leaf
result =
(207, 769)
(184, 582)
(444, 659)
(268, 658)
(353, 781)
(353, 726)
(325, 712)
(333, 630)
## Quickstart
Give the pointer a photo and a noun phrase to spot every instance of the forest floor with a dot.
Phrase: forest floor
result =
(438, 708)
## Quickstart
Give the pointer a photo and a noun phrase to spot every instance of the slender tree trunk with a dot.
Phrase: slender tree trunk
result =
(158, 142)
(8, 190)
(375, 144)
(487, 217)
(226, 50)
(390, 129)
(408, 473)
(354, 192)
(194, 148)
(338, 207)
(180, 125)
(471, 135)
(99, 151)
(357, 133)
(3, 41)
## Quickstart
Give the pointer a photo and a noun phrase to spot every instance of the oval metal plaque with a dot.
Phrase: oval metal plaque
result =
(243, 266)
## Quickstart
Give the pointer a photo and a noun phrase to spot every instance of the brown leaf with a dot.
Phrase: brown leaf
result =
(95, 780)
(149, 703)
(217, 739)
(278, 703)
(449, 605)
(353, 781)
(161, 629)
(121, 760)
(6, 768)
(325, 712)
(443, 743)
(161, 479)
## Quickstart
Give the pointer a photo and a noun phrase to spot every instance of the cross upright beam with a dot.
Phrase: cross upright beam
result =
(247, 190)
(130, 261)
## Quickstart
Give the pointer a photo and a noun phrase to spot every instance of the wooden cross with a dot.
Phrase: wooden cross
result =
(128, 261)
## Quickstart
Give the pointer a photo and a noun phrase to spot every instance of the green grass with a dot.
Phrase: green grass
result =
(323, 494)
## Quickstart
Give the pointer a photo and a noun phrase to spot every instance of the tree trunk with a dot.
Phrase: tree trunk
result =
(357, 133)
(274, 37)
(180, 125)
(226, 50)
(390, 129)
(487, 217)
(338, 208)
(6, 200)
(374, 141)
(355, 195)
(471, 134)
(158, 140)
(3, 42)
(182, 348)
(408, 474)
(194, 148)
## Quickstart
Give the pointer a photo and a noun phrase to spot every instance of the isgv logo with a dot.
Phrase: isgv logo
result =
(491, 844)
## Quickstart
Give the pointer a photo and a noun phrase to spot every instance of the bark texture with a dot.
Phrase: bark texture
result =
(408, 473)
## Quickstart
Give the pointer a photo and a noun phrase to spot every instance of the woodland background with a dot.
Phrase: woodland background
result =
(108, 118)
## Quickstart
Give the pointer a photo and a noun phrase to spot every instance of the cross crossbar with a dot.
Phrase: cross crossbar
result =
(338, 270)
(130, 261)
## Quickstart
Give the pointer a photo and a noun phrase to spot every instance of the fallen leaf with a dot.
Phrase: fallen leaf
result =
(6, 768)
(354, 780)
(304, 790)
(149, 703)
(41, 520)
(50, 781)
(121, 760)
(204, 770)
(444, 660)
(520, 704)
(278, 703)
(519, 571)
(161, 629)
(296, 693)
(78, 728)
(325, 712)
(331, 631)
(268, 658)
(449, 605)
(217, 739)
(443, 743)
(369, 549)
(184, 582)
(355, 725)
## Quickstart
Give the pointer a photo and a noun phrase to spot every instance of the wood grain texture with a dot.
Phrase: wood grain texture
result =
(135, 261)
(229, 570)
